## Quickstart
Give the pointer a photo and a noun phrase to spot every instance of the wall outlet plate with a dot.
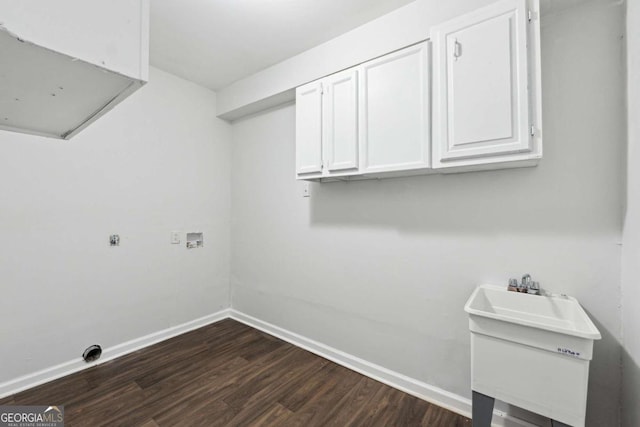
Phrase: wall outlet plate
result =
(175, 237)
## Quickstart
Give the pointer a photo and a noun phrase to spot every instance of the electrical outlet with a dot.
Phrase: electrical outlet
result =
(305, 189)
(175, 237)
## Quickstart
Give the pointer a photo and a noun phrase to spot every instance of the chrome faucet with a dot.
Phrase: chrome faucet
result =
(534, 289)
(526, 286)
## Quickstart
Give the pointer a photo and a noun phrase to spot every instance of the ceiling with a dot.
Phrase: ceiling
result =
(216, 42)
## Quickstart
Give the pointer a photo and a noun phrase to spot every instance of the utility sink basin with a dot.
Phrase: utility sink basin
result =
(531, 351)
(560, 314)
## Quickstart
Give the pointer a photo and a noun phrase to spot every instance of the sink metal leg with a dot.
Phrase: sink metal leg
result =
(482, 410)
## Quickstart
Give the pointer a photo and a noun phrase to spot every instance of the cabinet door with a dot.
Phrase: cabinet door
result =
(309, 129)
(340, 120)
(394, 111)
(481, 106)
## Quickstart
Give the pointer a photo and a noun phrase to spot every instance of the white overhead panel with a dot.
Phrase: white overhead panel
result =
(47, 93)
(65, 63)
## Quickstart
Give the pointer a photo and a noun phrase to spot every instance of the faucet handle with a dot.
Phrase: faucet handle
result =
(534, 288)
(526, 280)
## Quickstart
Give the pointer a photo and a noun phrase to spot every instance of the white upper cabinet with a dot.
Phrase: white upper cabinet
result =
(366, 121)
(394, 111)
(486, 88)
(340, 120)
(309, 129)
(380, 118)
(327, 127)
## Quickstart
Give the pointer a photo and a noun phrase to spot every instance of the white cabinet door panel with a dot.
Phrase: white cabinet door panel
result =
(394, 111)
(481, 102)
(480, 110)
(309, 128)
(340, 117)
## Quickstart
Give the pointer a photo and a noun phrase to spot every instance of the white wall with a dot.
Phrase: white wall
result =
(381, 269)
(158, 162)
(631, 248)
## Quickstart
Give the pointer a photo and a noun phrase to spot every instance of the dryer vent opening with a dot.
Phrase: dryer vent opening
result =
(92, 353)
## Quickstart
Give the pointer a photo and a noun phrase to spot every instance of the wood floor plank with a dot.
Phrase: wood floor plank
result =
(216, 356)
(170, 398)
(192, 399)
(298, 358)
(335, 386)
(253, 406)
(412, 412)
(101, 409)
(307, 390)
(436, 416)
(206, 415)
(389, 414)
(229, 374)
(274, 416)
(374, 407)
(261, 347)
(353, 403)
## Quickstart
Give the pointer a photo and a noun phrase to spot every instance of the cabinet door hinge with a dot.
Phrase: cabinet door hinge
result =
(530, 16)
(532, 130)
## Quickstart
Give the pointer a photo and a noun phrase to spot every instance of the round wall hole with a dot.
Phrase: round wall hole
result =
(92, 353)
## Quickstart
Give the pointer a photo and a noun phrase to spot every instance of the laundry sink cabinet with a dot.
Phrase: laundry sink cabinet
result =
(531, 351)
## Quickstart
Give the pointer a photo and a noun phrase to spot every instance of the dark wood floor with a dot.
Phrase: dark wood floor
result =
(228, 374)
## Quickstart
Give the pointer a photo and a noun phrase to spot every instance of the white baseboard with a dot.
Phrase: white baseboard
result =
(421, 390)
(49, 374)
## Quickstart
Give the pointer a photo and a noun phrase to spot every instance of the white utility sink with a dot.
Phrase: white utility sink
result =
(531, 351)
